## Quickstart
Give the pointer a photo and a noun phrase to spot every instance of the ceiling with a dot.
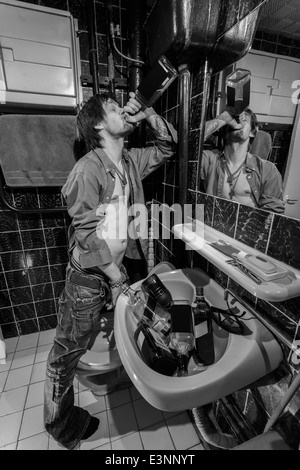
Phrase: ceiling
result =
(281, 17)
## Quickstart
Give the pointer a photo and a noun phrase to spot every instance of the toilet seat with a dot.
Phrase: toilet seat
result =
(106, 360)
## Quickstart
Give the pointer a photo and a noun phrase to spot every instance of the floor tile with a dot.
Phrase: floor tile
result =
(27, 341)
(131, 442)
(42, 353)
(38, 372)
(100, 437)
(3, 378)
(9, 428)
(32, 422)
(182, 432)
(38, 442)
(46, 337)
(121, 421)
(11, 344)
(157, 437)
(23, 358)
(198, 447)
(7, 365)
(9, 446)
(35, 395)
(121, 397)
(146, 414)
(91, 403)
(18, 378)
(105, 447)
(13, 401)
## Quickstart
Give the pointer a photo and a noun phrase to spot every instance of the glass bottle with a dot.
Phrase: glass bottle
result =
(181, 337)
(204, 352)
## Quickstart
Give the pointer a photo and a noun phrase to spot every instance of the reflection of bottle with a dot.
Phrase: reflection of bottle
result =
(154, 351)
(204, 352)
(182, 340)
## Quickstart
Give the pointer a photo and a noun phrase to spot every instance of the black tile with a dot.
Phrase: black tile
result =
(8, 222)
(26, 198)
(253, 227)
(6, 315)
(278, 319)
(208, 202)
(33, 239)
(21, 295)
(42, 292)
(45, 308)
(13, 261)
(225, 216)
(284, 242)
(9, 330)
(39, 275)
(36, 258)
(55, 237)
(29, 221)
(10, 241)
(47, 323)
(58, 255)
(4, 299)
(18, 278)
(54, 220)
(24, 312)
(28, 326)
(3, 285)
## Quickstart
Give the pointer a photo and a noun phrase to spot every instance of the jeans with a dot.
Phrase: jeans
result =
(79, 315)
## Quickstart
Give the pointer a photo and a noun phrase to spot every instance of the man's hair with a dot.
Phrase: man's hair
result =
(254, 123)
(91, 113)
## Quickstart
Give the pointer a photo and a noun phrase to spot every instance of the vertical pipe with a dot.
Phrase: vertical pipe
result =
(110, 57)
(137, 46)
(206, 89)
(183, 131)
(93, 55)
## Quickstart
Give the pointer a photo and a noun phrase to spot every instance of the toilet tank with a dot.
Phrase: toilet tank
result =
(188, 31)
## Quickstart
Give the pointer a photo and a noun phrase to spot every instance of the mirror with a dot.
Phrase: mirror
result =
(274, 62)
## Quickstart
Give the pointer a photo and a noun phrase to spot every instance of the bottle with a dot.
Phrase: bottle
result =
(154, 351)
(181, 337)
(204, 352)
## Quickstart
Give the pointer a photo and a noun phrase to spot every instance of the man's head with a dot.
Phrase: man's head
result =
(101, 117)
(247, 132)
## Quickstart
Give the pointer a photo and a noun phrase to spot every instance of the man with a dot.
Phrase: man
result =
(99, 191)
(234, 173)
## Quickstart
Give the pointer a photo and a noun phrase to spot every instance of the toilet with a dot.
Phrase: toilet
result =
(100, 369)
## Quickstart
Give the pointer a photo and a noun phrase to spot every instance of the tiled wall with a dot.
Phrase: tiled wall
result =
(33, 248)
(246, 412)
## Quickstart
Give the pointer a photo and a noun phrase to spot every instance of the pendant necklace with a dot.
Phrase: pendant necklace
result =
(233, 177)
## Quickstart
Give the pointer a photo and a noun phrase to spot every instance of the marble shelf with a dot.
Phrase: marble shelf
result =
(198, 237)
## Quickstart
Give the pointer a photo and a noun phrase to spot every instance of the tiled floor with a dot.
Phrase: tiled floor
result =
(127, 421)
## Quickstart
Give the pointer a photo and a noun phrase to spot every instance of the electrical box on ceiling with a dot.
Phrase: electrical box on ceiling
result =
(39, 59)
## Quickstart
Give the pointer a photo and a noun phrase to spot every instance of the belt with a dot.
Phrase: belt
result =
(81, 280)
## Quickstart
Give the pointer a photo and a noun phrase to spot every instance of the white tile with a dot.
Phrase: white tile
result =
(3, 377)
(23, 358)
(157, 437)
(38, 372)
(18, 378)
(32, 422)
(91, 403)
(198, 447)
(46, 337)
(38, 442)
(42, 353)
(27, 341)
(121, 421)
(7, 365)
(146, 414)
(11, 344)
(182, 432)
(9, 446)
(105, 447)
(121, 397)
(13, 401)
(53, 445)
(9, 428)
(131, 442)
(100, 437)
(35, 395)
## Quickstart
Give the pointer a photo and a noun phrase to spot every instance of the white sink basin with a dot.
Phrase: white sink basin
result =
(240, 359)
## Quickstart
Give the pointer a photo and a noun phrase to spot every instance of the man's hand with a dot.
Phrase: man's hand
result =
(134, 114)
(232, 121)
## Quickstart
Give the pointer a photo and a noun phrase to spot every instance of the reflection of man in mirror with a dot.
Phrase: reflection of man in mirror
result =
(233, 172)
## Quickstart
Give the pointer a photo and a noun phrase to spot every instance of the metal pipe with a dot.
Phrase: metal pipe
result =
(183, 131)
(93, 54)
(205, 100)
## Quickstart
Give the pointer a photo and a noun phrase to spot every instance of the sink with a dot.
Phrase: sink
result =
(239, 359)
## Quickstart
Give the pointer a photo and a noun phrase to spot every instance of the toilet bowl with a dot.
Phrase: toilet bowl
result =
(100, 369)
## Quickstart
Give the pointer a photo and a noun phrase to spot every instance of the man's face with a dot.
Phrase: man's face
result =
(114, 122)
(240, 135)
